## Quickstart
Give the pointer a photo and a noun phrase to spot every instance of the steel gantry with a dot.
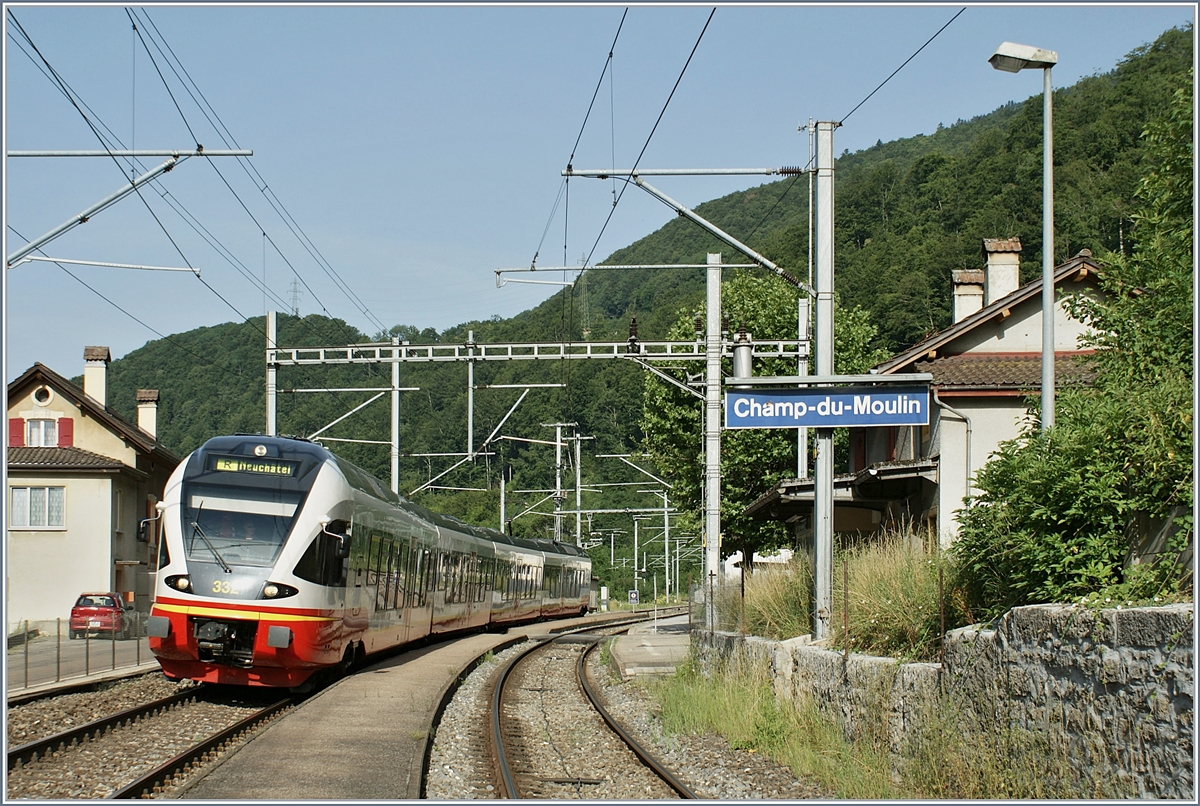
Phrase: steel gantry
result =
(395, 353)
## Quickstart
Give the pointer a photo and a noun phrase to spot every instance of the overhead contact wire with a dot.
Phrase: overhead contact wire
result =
(570, 160)
(650, 136)
(901, 67)
(168, 339)
(227, 137)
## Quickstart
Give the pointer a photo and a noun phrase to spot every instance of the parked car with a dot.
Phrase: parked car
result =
(100, 613)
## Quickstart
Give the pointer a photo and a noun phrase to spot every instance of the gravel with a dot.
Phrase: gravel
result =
(706, 763)
(97, 768)
(38, 719)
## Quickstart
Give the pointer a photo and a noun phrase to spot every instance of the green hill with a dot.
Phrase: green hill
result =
(907, 213)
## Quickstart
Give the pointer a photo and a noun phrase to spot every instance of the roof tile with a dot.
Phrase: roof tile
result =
(59, 459)
(1003, 371)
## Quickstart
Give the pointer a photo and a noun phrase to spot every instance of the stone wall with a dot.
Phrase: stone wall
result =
(1112, 689)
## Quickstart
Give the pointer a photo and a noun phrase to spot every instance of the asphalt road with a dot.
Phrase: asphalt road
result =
(48, 658)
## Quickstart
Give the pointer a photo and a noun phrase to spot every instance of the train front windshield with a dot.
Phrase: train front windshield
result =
(223, 525)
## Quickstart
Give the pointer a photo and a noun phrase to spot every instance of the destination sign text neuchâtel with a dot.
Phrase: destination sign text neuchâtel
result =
(254, 466)
(827, 407)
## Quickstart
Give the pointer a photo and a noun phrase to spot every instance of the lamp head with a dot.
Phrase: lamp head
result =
(1012, 57)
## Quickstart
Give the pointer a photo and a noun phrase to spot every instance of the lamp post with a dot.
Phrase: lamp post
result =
(1013, 58)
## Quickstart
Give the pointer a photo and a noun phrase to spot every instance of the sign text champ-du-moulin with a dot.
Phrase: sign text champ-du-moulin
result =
(827, 407)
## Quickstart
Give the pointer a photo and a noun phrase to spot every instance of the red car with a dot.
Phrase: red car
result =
(100, 613)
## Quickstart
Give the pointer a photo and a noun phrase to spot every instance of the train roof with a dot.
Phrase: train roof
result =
(367, 483)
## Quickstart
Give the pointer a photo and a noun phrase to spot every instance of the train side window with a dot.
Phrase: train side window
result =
(372, 561)
(320, 564)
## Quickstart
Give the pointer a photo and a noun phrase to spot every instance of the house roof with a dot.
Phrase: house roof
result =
(60, 459)
(1078, 267)
(998, 371)
(39, 374)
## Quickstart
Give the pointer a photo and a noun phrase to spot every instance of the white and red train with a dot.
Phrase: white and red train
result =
(278, 560)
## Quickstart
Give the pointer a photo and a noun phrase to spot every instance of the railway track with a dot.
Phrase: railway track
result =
(138, 752)
(552, 738)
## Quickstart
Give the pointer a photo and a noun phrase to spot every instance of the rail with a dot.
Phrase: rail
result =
(147, 784)
(507, 784)
(43, 747)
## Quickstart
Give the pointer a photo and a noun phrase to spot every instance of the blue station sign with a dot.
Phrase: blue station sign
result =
(827, 407)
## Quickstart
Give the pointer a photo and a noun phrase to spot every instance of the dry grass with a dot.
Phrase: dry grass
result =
(893, 595)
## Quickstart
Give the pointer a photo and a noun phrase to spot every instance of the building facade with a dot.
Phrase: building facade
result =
(81, 479)
(986, 368)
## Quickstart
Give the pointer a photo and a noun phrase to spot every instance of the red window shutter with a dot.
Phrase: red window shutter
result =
(16, 432)
(66, 432)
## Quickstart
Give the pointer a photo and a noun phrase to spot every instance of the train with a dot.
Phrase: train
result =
(280, 563)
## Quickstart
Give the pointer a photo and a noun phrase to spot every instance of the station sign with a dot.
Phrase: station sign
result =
(827, 407)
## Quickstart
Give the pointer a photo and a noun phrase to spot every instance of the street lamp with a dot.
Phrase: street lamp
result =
(1013, 58)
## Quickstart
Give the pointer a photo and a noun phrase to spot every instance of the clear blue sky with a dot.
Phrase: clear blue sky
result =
(419, 148)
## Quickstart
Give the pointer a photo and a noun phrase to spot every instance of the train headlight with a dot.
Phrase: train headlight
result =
(179, 583)
(277, 590)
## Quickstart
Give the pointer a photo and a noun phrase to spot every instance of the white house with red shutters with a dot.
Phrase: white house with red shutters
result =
(80, 480)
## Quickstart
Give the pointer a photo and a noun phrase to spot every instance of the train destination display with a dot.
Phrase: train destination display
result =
(827, 407)
(236, 465)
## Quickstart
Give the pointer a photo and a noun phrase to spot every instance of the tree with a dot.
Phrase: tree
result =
(1067, 513)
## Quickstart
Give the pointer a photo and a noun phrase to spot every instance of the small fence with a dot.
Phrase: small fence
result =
(37, 656)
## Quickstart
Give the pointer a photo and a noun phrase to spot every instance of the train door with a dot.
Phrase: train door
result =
(470, 575)
(404, 587)
(420, 612)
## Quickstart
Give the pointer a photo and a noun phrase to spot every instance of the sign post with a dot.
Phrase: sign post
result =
(826, 402)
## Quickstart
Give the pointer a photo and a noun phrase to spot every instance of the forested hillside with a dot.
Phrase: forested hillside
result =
(907, 213)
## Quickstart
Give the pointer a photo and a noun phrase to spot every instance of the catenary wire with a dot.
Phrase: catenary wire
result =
(206, 284)
(61, 84)
(902, 66)
(111, 140)
(566, 314)
(260, 184)
(96, 132)
(646, 145)
(571, 159)
(287, 218)
(790, 184)
(228, 370)
(163, 79)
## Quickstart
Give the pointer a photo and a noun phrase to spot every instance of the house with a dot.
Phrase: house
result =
(985, 366)
(80, 480)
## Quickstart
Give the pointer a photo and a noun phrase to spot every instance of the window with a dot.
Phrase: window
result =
(36, 507)
(41, 433)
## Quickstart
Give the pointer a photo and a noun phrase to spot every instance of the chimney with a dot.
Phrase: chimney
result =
(147, 407)
(95, 372)
(968, 292)
(1003, 257)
